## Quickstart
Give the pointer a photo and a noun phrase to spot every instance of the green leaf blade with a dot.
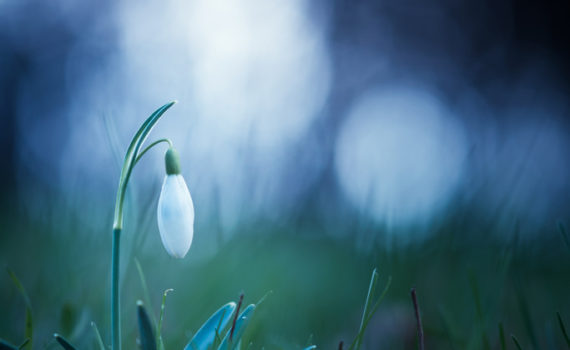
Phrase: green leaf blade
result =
(146, 334)
(161, 319)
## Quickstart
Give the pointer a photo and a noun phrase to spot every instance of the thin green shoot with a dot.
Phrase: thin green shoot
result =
(371, 310)
(377, 304)
(160, 320)
(367, 305)
(263, 298)
(98, 336)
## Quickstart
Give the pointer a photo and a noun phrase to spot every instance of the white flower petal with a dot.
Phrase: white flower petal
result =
(175, 216)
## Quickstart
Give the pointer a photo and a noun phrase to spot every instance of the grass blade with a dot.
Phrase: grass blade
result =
(29, 330)
(145, 329)
(516, 341)
(263, 298)
(373, 310)
(418, 319)
(367, 305)
(564, 333)
(63, 342)
(98, 336)
(376, 306)
(159, 328)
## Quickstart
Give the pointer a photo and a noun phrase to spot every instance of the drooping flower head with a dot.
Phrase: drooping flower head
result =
(175, 209)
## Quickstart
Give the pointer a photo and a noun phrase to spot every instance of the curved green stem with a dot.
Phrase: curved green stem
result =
(151, 146)
(131, 158)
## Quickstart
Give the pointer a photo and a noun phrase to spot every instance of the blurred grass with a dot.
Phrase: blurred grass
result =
(468, 284)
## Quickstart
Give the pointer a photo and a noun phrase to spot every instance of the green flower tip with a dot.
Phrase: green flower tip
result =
(172, 162)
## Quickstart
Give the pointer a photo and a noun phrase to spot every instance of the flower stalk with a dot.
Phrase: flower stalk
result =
(131, 158)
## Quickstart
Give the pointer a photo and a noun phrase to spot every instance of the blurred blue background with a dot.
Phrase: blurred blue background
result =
(373, 126)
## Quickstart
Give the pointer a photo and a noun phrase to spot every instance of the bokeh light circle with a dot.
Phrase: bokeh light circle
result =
(399, 155)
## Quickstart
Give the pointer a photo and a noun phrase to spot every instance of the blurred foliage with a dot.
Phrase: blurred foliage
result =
(470, 285)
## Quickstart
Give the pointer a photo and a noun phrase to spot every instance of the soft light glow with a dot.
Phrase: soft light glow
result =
(251, 75)
(399, 155)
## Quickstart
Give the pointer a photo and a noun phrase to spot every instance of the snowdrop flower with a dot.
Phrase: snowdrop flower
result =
(175, 209)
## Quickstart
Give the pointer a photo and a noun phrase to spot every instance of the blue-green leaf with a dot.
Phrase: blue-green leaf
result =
(207, 333)
(147, 339)
(241, 324)
(310, 347)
